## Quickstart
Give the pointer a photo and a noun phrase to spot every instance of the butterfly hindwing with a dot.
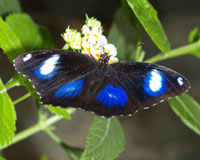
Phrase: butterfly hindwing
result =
(108, 97)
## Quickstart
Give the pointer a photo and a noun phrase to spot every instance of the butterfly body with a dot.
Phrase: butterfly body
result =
(70, 79)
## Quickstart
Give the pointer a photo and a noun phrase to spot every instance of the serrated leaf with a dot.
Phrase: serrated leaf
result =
(188, 110)
(9, 42)
(7, 117)
(105, 140)
(59, 111)
(31, 35)
(72, 152)
(147, 16)
(7, 6)
(124, 36)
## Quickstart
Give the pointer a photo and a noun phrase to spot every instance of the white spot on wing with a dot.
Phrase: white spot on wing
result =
(180, 81)
(155, 83)
(27, 57)
(49, 65)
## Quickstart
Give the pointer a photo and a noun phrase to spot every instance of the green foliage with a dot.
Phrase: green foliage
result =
(124, 36)
(44, 157)
(29, 33)
(19, 34)
(105, 140)
(147, 16)
(59, 111)
(7, 6)
(74, 153)
(47, 40)
(9, 42)
(188, 110)
(2, 158)
(7, 117)
(23, 81)
(194, 36)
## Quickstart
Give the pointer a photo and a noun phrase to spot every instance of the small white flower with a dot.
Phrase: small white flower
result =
(85, 45)
(102, 41)
(96, 32)
(86, 30)
(113, 60)
(73, 38)
(91, 41)
(111, 49)
(93, 22)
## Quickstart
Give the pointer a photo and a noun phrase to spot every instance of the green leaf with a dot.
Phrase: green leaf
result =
(7, 117)
(194, 36)
(72, 152)
(105, 140)
(2, 158)
(25, 82)
(59, 111)
(9, 42)
(47, 40)
(44, 157)
(31, 35)
(147, 16)
(188, 110)
(7, 6)
(124, 36)
(132, 18)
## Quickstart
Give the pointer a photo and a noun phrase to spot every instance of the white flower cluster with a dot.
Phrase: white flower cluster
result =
(91, 42)
(73, 38)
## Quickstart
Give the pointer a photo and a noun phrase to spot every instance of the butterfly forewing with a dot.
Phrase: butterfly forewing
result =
(50, 69)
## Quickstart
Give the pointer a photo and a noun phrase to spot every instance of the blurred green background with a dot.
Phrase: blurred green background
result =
(152, 134)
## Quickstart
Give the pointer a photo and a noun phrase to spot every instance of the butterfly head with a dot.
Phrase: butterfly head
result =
(104, 58)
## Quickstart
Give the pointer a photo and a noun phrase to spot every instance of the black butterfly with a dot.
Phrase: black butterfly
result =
(71, 79)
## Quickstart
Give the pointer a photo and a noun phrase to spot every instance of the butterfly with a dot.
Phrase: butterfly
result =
(70, 79)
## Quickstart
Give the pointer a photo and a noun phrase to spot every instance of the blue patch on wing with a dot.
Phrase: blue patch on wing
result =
(154, 83)
(70, 90)
(112, 96)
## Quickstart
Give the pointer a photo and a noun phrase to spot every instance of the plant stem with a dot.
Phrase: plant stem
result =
(53, 136)
(37, 128)
(12, 83)
(73, 153)
(39, 111)
(187, 49)
(22, 98)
